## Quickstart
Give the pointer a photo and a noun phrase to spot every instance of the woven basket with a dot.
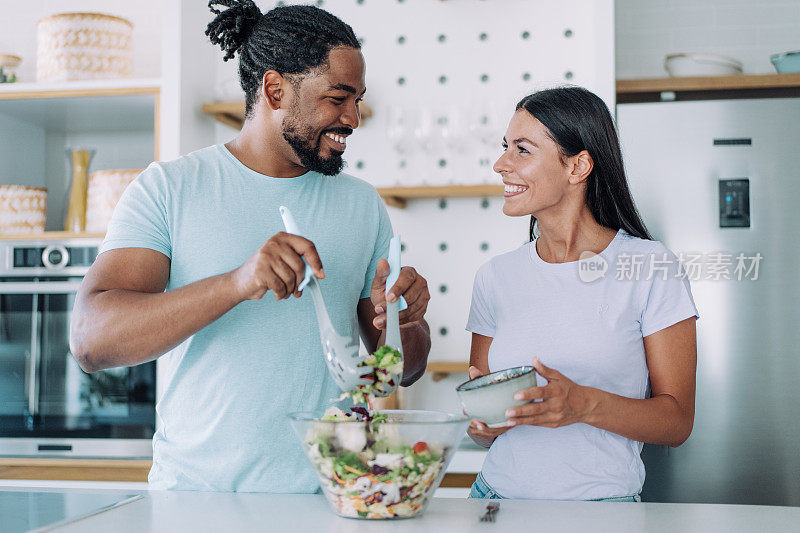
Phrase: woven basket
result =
(23, 209)
(105, 190)
(83, 46)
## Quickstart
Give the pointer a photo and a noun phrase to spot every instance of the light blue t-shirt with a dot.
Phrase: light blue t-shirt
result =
(222, 419)
(589, 325)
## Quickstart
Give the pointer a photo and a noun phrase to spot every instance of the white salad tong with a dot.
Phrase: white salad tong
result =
(341, 353)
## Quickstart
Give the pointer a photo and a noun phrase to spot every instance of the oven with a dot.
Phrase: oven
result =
(48, 405)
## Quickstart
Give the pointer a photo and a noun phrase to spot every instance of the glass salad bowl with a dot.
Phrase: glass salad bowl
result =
(387, 467)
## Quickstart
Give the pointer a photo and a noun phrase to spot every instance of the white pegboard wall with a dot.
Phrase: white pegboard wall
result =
(463, 59)
(447, 240)
(457, 68)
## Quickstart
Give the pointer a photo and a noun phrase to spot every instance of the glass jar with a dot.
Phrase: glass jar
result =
(8, 68)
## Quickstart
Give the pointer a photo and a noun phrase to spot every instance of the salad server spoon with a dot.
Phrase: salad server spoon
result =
(341, 353)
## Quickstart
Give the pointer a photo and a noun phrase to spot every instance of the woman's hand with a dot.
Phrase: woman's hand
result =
(564, 402)
(479, 432)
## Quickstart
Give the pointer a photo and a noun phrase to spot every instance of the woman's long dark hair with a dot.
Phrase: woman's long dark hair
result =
(579, 120)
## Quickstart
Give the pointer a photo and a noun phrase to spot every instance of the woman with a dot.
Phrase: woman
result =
(605, 308)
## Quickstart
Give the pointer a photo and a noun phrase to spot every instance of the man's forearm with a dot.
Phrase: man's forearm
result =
(416, 346)
(122, 328)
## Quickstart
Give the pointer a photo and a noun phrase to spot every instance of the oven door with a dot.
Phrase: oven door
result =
(48, 405)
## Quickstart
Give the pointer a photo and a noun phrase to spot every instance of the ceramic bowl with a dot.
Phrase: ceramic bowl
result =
(678, 65)
(786, 62)
(486, 398)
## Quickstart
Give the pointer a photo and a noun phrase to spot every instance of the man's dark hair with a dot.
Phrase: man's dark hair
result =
(287, 39)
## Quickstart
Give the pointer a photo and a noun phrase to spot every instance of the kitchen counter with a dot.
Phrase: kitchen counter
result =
(167, 511)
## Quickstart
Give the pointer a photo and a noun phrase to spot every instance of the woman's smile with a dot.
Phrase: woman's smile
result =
(513, 189)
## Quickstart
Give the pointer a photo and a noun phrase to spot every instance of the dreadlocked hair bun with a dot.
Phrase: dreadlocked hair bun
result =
(292, 40)
(231, 27)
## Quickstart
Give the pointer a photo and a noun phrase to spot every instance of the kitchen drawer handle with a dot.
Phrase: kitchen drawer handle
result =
(39, 287)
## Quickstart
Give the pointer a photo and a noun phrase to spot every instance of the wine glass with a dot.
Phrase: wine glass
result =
(399, 132)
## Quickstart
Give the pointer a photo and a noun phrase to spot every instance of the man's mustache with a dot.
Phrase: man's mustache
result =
(340, 131)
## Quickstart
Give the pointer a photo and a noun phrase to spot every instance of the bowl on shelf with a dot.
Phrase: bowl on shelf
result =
(786, 62)
(487, 397)
(678, 65)
(104, 191)
(380, 470)
(23, 209)
(83, 46)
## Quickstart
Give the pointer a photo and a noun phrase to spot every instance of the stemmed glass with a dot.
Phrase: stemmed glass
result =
(455, 139)
(399, 132)
(485, 128)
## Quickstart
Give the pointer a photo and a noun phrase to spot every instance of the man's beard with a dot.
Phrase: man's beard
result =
(309, 156)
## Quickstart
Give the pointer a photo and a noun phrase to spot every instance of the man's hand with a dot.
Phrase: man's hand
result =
(411, 285)
(277, 266)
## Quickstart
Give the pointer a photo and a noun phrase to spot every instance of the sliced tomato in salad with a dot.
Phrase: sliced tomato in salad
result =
(420, 447)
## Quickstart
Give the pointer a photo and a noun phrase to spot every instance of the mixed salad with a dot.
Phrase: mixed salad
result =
(366, 471)
(387, 369)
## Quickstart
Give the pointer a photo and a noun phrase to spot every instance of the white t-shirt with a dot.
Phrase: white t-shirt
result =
(590, 330)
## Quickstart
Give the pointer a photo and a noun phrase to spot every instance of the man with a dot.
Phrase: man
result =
(184, 267)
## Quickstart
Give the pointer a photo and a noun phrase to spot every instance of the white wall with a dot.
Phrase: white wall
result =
(187, 78)
(18, 30)
(22, 153)
(747, 30)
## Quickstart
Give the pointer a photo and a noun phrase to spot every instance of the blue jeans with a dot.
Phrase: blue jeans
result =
(482, 490)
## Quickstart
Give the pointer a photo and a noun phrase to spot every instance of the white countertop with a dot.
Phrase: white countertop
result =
(166, 511)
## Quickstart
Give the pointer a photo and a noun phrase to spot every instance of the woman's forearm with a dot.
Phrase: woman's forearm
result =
(656, 420)
(122, 327)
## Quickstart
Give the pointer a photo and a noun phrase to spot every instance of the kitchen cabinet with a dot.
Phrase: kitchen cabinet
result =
(74, 469)
(461, 471)
(38, 122)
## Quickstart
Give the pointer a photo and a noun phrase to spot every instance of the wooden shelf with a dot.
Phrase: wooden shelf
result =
(399, 196)
(69, 89)
(442, 369)
(232, 113)
(228, 113)
(74, 469)
(90, 106)
(708, 87)
(51, 235)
